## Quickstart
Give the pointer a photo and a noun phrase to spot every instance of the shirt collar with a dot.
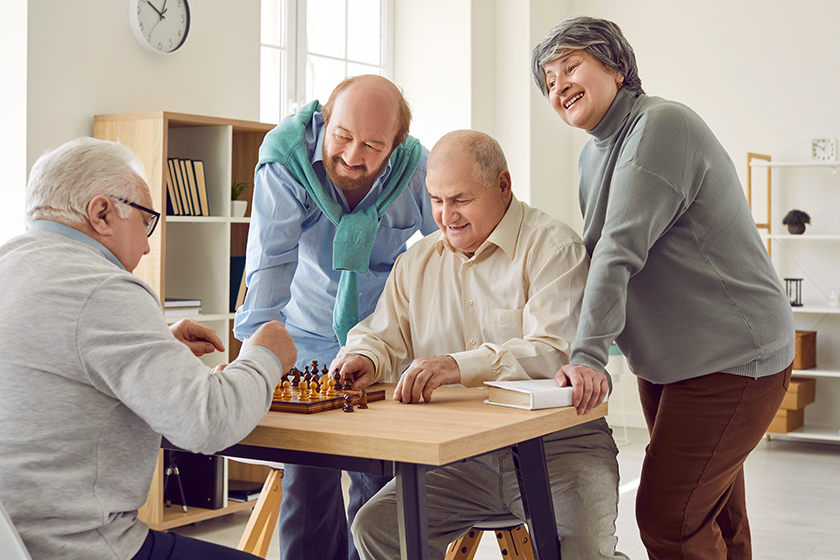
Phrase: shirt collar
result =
(504, 235)
(76, 235)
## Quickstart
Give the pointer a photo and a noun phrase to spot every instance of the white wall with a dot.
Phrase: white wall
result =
(82, 60)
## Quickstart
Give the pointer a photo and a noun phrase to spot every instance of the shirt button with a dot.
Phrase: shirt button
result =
(472, 341)
(472, 302)
(360, 294)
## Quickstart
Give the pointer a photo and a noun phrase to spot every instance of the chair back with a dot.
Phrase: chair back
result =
(11, 545)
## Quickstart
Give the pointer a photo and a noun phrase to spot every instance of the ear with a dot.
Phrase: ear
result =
(102, 213)
(505, 184)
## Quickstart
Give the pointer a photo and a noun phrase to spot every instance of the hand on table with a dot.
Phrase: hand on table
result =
(590, 387)
(423, 376)
(359, 366)
(200, 338)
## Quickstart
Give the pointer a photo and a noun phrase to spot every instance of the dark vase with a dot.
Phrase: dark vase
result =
(796, 229)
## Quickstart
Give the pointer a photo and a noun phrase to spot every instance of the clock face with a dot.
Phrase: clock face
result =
(160, 26)
(824, 149)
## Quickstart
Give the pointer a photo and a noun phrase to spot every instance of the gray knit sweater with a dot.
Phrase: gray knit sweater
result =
(679, 277)
(90, 378)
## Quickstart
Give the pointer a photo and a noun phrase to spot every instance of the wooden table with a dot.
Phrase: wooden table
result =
(407, 440)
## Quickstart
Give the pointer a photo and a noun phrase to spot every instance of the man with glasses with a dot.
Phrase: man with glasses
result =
(92, 376)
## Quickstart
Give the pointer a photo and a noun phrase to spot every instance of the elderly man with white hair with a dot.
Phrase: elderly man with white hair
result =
(92, 376)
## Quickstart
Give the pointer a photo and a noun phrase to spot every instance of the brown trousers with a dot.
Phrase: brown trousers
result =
(691, 502)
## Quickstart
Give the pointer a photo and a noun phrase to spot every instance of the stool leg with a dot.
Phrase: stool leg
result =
(465, 547)
(263, 520)
(515, 543)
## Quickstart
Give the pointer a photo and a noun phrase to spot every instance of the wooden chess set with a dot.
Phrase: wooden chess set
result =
(308, 391)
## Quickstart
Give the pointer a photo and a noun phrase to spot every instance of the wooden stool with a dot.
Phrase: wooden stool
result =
(260, 527)
(511, 534)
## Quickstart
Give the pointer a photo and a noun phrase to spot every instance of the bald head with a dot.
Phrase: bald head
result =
(378, 97)
(486, 154)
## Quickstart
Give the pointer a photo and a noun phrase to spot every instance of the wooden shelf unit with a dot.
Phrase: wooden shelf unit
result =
(803, 254)
(190, 256)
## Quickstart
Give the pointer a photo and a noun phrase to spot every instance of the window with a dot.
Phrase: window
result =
(308, 46)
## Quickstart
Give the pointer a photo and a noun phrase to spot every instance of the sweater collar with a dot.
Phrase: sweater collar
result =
(616, 115)
(76, 235)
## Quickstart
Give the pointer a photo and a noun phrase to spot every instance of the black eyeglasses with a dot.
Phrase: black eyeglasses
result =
(150, 227)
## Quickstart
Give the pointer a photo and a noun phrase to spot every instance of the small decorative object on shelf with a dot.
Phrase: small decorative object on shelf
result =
(795, 221)
(793, 289)
(238, 207)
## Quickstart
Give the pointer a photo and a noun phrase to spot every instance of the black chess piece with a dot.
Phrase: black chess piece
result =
(348, 403)
(363, 399)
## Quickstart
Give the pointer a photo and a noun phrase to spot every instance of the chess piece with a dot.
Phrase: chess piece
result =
(278, 392)
(314, 366)
(331, 392)
(325, 370)
(348, 403)
(303, 396)
(286, 393)
(296, 378)
(348, 381)
(313, 390)
(363, 399)
(324, 386)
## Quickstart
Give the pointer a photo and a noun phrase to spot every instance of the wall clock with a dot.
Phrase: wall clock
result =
(160, 26)
(824, 149)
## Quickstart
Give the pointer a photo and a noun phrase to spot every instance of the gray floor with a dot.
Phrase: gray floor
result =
(793, 493)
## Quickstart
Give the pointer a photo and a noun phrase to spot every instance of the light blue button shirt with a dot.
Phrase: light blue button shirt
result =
(290, 250)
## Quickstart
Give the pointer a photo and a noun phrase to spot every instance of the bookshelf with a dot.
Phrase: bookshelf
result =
(191, 255)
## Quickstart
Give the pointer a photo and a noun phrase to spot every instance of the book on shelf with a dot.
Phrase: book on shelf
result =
(530, 394)
(237, 274)
(180, 187)
(201, 186)
(173, 207)
(189, 187)
(181, 302)
(171, 312)
(243, 490)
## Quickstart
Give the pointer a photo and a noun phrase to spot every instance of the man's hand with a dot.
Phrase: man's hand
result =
(360, 367)
(425, 375)
(590, 387)
(274, 336)
(200, 338)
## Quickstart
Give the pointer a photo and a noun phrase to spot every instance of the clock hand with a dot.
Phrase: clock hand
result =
(155, 9)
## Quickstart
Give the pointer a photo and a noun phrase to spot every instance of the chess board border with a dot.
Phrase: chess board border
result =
(320, 405)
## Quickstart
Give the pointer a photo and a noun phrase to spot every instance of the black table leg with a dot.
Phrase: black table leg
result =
(529, 459)
(411, 509)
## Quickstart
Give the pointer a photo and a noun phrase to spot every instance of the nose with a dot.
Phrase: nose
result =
(449, 215)
(353, 154)
(148, 247)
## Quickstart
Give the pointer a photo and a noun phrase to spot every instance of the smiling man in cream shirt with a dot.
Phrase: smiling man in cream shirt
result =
(495, 294)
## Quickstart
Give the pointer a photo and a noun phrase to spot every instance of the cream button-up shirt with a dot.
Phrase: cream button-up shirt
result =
(508, 312)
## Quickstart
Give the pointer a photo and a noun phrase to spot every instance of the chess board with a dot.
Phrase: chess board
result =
(321, 404)
(290, 401)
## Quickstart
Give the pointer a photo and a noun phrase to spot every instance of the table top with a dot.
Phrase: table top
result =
(457, 424)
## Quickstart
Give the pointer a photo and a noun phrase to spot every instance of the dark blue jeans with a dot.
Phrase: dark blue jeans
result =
(312, 520)
(172, 546)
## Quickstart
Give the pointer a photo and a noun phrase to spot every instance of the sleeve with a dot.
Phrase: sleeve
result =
(549, 320)
(427, 224)
(645, 200)
(385, 335)
(279, 210)
(134, 358)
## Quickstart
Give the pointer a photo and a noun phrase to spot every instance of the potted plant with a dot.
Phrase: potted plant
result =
(796, 220)
(238, 207)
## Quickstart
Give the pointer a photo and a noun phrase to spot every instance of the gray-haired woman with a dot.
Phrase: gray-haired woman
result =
(680, 280)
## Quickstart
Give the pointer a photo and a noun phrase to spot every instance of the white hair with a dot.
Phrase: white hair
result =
(64, 180)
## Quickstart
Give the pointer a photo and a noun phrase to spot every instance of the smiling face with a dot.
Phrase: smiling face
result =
(465, 209)
(581, 88)
(360, 134)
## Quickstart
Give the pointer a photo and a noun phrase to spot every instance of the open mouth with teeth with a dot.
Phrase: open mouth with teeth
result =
(572, 101)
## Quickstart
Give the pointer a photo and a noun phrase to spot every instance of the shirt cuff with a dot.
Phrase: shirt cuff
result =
(475, 367)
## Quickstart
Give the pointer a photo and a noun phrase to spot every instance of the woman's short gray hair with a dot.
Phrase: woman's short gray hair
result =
(599, 37)
(63, 181)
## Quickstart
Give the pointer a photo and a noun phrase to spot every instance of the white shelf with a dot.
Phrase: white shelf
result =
(762, 163)
(812, 433)
(805, 237)
(816, 309)
(817, 372)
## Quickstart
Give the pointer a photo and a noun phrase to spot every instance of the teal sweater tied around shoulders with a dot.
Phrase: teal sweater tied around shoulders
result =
(355, 232)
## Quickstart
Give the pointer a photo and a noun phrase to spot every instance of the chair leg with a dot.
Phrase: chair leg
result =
(263, 520)
(465, 547)
(515, 543)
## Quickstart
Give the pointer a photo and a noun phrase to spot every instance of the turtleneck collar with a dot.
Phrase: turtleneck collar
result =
(616, 115)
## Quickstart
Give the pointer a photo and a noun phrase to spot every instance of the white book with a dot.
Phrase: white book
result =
(530, 394)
